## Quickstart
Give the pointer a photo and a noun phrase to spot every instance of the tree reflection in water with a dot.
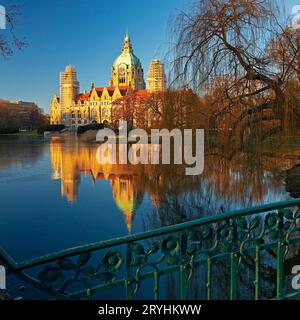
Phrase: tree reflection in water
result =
(245, 180)
(20, 150)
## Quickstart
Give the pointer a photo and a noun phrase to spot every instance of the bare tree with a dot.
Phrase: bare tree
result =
(235, 39)
(8, 38)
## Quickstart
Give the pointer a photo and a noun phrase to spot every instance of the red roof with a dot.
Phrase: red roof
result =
(83, 96)
(110, 89)
(123, 90)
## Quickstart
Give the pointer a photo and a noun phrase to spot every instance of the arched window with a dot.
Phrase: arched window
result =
(122, 75)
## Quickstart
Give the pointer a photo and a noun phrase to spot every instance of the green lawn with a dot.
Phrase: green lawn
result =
(24, 133)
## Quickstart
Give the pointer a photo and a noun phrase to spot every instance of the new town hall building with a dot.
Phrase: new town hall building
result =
(74, 109)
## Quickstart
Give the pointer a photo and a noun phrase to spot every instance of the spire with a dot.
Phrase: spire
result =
(127, 47)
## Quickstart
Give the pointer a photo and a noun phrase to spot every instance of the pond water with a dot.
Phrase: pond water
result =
(55, 195)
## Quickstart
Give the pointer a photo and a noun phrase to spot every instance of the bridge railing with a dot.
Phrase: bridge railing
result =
(245, 254)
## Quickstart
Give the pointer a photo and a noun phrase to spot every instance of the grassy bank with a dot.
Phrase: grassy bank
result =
(27, 133)
(21, 133)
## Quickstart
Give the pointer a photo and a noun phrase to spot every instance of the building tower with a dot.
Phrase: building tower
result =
(69, 90)
(156, 77)
(127, 69)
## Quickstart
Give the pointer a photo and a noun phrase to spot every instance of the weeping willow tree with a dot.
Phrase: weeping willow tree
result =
(242, 53)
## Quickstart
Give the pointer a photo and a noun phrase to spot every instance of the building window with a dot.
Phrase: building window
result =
(122, 79)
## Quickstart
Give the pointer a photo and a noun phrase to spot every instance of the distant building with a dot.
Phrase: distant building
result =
(75, 109)
(156, 77)
(20, 115)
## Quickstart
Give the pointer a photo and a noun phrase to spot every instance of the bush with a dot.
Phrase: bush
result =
(92, 126)
(8, 130)
(51, 128)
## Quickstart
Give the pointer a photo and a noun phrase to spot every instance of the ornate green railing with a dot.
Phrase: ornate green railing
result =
(243, 254)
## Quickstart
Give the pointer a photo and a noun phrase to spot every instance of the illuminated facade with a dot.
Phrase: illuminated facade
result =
(127, 69)
(74, 109)
(156, 77)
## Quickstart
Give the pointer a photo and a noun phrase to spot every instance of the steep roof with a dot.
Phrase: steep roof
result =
(82, 97)
(123, 90)
(111, 89)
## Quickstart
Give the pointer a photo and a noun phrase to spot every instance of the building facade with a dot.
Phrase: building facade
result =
(156, 77)
(74, 109)
(127, 69)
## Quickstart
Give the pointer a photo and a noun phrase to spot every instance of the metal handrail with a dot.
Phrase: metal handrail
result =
(182, 248)
(143, 235)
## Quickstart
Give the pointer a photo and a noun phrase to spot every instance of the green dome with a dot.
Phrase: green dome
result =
(127, 57)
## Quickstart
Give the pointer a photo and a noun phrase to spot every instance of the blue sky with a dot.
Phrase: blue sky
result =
(87, 34)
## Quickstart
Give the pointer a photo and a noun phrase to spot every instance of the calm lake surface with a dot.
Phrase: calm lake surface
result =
(55, 195)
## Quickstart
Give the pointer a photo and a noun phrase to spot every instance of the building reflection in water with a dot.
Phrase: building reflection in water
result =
(225, 185)
(70, 160)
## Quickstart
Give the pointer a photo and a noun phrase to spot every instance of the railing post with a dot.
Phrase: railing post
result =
(233, 276)
(128, 271)
(208, 280)
(156, 285)
(257, 272)
(183, 282)
(183, 270)
(280, 258)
